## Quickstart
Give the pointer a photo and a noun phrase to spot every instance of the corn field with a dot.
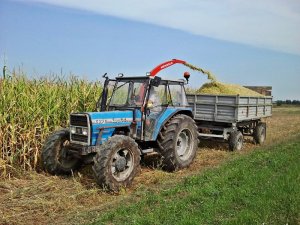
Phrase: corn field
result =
(30, 109)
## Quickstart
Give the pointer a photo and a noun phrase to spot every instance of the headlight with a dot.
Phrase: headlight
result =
(85, 131)
(73, 130)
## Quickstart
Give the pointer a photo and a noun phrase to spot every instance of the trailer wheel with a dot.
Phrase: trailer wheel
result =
(55, 158)
(178, 142)
(116, 163)
(236, 141)
(259, 133)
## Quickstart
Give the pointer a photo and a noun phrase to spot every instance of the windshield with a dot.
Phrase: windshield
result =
(128, 93)
(178, 96)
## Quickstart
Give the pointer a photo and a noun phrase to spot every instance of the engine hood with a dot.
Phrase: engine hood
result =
(109, 121)
(111, 118)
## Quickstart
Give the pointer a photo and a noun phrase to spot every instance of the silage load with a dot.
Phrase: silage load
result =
(217, 88)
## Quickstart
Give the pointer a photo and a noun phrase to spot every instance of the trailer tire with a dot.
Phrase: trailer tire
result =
(236, 141)
(259, 134)
(54, 157)
(178, 142)
(116, 163)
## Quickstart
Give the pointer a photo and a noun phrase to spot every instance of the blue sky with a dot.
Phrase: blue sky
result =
(243, 42)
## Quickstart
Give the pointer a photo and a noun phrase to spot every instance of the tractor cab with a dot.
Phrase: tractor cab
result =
(122, 92)
(132, 92)
(151, 101)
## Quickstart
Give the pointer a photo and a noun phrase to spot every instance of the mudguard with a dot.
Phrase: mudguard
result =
(166, 115)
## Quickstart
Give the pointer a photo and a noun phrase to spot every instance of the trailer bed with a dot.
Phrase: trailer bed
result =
(229, 108)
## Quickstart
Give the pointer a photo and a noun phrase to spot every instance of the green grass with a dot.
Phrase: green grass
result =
(260, 188)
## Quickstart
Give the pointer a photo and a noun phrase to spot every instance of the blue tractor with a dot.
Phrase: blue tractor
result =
(136, 116)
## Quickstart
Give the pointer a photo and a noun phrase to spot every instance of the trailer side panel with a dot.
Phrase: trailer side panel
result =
(229, 108)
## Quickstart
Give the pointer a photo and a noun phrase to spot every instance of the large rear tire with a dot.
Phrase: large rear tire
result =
(55, 157)
(178, 142)
(259, 133)
(116, 163)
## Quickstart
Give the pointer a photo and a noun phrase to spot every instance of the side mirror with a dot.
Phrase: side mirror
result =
(155, 81)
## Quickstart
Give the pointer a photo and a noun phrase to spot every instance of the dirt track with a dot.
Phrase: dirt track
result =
(43, 199)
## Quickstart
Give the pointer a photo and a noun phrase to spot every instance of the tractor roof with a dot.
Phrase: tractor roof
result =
(144, 78)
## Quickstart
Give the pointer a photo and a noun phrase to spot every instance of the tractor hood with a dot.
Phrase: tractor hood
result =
(108, 121)
(111, 118)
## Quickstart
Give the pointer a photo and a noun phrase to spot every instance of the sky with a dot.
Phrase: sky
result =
(243, 42)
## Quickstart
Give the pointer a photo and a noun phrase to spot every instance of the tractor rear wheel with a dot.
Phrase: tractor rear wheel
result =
(259, 133)
(178, 142)
(55, 157)
(236, 141)
(117, 162)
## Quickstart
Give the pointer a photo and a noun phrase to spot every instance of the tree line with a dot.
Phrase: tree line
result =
(287, 102)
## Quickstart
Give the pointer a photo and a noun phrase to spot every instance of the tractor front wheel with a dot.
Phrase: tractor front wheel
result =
(55, 157)
(117, 162)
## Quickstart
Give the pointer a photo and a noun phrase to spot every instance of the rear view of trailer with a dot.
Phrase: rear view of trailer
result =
(231, 117)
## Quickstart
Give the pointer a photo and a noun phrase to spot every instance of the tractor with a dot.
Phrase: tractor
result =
(136, 116)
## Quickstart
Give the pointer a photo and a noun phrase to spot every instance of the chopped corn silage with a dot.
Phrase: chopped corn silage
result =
(218, 88)
(215, 87)
(210, 76)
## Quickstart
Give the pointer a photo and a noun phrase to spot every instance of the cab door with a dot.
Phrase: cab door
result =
(156, 104)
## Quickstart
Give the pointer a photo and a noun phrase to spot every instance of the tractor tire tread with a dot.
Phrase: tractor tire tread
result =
(166, 138)
(102, 160)
(49, 155)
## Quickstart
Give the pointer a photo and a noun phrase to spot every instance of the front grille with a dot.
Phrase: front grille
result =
(79, 138)
(79, 120)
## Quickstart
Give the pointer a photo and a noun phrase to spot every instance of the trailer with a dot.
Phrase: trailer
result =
(231, 117)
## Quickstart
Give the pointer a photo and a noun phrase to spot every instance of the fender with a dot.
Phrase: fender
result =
(167, 115)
